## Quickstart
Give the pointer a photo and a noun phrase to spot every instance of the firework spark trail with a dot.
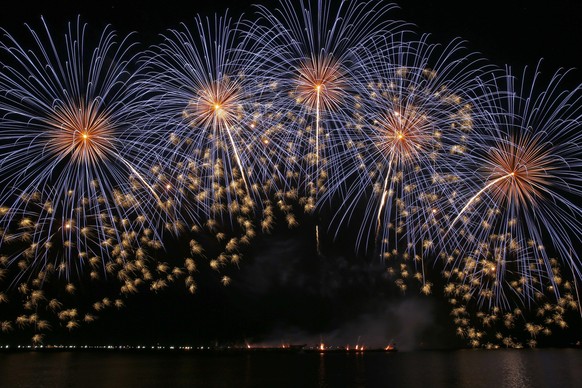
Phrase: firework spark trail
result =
(474, 198)
(237, 157)
(317, 114)
(382, 203)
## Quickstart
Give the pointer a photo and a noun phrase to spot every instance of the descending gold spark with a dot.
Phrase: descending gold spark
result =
(404, 137)
(383, 200)
(320, 86)
(493, 182)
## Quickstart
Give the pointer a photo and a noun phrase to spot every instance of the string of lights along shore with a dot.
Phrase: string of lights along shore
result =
(461, 176)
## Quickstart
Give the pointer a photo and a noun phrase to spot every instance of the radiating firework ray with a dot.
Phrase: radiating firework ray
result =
(206, 115)
(409, 128)
(307, 51)
(68, 150)
(519, 206)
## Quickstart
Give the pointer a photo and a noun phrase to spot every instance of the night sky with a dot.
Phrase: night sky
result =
(515, 32)
(284, 291)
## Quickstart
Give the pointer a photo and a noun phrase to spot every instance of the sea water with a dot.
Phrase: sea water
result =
(465, 368)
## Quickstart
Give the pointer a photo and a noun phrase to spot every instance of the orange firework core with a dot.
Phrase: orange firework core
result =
(320, 78)
(405, 133)
(214, 104)
(526, 163)
(80, 131)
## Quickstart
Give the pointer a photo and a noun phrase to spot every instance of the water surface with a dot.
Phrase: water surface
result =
(466, 368)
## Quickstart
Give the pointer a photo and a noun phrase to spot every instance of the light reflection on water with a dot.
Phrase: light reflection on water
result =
(498, 369)
(514, 372)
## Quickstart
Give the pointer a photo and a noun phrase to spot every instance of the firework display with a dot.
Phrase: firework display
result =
(123, 168)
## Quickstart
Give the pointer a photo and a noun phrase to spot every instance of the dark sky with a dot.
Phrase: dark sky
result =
(515, 31)
(283, 290)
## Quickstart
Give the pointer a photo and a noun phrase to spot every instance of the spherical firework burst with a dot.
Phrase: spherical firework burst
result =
(409, 127)
(307, 52)
(517, 206)
(69, 155)
(204, 113)
(206, 116)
